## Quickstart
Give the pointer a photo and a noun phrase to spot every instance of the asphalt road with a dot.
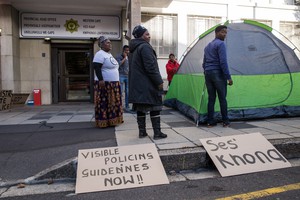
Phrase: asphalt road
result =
(26, 150)
(202, 189)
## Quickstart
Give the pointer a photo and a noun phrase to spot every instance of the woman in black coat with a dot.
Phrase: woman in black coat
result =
(145, 82)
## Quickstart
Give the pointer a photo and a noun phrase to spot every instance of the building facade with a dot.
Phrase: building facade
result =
(50, 47)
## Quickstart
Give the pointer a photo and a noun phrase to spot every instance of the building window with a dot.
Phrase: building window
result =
(198, 25)
(291, 35)
(163, 32)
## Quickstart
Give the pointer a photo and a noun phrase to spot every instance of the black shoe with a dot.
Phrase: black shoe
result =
(159, 136)
(143, 134)
(226, 124)
(210, 125)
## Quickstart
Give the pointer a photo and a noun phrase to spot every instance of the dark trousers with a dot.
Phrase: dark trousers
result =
(216, 83)
(124, 88)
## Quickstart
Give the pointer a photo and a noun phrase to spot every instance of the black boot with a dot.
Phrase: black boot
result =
(156, 128)
(141, 120)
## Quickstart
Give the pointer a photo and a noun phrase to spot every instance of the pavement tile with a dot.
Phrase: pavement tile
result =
(11, 121)
(65, 113)
(81, 118)
(50, 112)
(26, 114)
(171, 118)
(6, 115)
(36, 121)
(57, 119)
(84, 113)
(194, 133)
(274, 126)
(173, 137)
(127, 125)
(180, 124)
(263, 131)
(296, 135)
(278, 136)
(43, 117)
(287, 122)
(284, 129)
(130, 137)
(180, 115)
(221, 131)
(241, 125)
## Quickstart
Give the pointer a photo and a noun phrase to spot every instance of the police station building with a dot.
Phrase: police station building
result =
(49, 45)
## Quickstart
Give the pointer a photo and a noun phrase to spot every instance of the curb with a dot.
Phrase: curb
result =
(173, 161)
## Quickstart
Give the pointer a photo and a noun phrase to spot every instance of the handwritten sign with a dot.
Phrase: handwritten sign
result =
(18, 98)
(35, 25)
(5, 99)
(240, 154)
(118, 168)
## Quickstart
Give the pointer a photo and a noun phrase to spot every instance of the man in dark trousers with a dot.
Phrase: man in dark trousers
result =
(217, 75)
(122, 59)
(145, 82)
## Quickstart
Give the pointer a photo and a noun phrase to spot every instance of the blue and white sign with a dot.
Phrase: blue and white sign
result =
(69, 26)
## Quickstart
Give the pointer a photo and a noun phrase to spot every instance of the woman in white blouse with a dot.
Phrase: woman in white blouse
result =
(107, 89)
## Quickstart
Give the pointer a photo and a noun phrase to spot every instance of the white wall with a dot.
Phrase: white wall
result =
(36, 69)
(274, 10)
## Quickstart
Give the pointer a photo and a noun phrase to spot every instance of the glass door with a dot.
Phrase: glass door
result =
(74, 75)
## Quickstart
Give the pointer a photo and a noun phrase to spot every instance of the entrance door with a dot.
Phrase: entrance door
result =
(72, 76)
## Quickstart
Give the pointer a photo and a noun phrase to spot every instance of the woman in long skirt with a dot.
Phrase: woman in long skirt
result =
(107, 88)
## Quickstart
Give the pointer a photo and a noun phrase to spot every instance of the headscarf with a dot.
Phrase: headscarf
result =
(101, 40)
(138, 31)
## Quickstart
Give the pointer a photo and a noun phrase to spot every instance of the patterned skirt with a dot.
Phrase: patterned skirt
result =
(108, 104)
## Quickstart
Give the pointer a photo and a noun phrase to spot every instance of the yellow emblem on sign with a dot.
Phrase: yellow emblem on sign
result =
(71, 25)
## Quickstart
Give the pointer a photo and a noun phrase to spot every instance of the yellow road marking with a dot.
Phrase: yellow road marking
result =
(263, 193)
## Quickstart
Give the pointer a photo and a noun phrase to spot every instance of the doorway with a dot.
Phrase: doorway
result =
(72, 73)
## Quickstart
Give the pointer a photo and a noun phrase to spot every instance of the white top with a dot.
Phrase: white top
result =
(109, 68)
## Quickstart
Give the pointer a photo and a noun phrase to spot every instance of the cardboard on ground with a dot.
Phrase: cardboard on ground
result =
(241, 154)
(118, 168)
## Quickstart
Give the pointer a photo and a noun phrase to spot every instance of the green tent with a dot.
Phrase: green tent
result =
(265, 72)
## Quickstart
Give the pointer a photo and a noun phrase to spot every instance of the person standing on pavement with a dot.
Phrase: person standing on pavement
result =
(217, 75)
(107, 90)
(122, 59)
(145, 82)
(171, 67)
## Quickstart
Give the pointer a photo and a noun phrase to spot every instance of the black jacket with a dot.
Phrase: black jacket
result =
(144, 76)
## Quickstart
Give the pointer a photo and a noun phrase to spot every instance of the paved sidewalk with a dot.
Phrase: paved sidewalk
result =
(182, 131)
(182, 143)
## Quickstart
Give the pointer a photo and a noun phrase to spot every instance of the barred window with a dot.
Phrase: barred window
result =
(163, 32)
(198, 25)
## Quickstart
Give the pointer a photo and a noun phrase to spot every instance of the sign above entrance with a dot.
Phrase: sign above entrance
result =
(69, 26)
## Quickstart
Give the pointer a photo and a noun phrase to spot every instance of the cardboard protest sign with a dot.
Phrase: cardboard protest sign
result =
(118, 168)
(5, 99)
(18, 98)
(241, 154)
